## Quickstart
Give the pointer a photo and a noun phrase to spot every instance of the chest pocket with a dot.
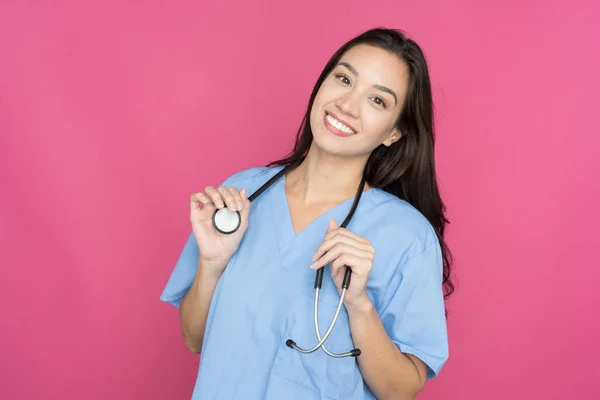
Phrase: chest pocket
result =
(317, 375)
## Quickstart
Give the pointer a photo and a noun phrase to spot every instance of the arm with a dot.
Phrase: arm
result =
(211, 252)
(193, 310)
(389, 373)
(412, 314)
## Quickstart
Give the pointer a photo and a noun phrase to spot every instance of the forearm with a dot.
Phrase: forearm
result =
(194, 307)
(388, 372)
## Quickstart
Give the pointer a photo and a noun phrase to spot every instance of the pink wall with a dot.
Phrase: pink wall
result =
(112, 114)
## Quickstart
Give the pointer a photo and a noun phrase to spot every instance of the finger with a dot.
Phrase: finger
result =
(336, 271)
(214, 196)
(332, 225)
(196, 199)
(227, 198)
(346, 232)
(200, 202)
(340, 238)
(336, 266)
(245, 201)
(237, 198)
(244, 194)
(328, 244)
(338, 250)
(360, 266)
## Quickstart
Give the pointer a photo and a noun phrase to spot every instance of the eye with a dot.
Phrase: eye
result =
(380, 102)
(343, 78)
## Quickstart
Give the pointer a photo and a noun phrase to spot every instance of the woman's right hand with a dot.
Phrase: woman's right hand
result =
(217, 248)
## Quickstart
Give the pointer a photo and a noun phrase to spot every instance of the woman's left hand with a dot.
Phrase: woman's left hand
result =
(343, 248)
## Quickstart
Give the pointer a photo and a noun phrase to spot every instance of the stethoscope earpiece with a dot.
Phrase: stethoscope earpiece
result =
(226, 221)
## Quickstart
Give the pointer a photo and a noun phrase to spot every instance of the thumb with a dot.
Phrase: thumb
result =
(246, 209)
(332, 225)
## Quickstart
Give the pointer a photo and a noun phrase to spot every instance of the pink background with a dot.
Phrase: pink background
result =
(111, 114)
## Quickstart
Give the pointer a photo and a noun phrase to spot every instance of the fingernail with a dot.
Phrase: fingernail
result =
(313, 265)
(314, 257)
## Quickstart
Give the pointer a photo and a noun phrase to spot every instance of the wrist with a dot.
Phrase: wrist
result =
(362, 305)
(210, 269)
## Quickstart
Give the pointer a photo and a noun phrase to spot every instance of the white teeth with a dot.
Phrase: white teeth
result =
(339, 125)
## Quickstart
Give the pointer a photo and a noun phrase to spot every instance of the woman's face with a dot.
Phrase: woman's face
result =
(357, 105)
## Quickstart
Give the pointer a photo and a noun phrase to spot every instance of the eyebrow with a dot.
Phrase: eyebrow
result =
(376, 86)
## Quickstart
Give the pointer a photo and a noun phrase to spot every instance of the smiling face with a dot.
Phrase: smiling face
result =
(357, 105)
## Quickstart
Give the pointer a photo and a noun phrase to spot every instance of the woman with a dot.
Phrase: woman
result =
(246, 299)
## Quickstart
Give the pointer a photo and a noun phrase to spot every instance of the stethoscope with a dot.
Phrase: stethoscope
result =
(227, 222)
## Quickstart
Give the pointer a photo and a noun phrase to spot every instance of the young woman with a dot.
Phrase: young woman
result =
(359, 191)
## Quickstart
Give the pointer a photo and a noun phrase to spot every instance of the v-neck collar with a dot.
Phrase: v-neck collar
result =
(316, 228)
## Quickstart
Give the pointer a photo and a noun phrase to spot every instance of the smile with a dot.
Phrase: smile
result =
(338, 125)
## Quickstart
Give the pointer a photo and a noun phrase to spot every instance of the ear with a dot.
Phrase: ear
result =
(393, 137)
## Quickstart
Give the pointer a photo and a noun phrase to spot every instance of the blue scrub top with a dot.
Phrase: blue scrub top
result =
(266, 296)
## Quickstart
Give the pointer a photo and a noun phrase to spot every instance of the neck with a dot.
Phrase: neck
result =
(325, 178)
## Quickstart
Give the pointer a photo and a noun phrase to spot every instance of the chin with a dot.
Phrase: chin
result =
(325, 143)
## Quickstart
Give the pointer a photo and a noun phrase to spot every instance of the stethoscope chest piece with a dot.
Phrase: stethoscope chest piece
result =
(226, 221)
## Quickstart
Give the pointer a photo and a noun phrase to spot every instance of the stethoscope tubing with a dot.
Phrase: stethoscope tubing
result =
(319, 274)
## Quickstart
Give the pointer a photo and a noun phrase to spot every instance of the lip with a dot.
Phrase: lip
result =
(340, 120)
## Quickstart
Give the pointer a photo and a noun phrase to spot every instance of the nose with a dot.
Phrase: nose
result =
(348, 103)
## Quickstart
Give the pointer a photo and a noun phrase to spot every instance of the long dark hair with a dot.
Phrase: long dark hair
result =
(406, 168)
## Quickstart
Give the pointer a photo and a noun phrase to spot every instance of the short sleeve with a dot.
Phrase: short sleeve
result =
(183, 273)
(413, 312)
